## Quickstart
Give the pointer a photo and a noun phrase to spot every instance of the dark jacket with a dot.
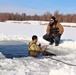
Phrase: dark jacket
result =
(57, 28)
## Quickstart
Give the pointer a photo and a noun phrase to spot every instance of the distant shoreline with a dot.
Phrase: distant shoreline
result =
(73, 25)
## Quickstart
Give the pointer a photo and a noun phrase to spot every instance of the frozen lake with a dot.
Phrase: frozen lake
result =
(13, 44)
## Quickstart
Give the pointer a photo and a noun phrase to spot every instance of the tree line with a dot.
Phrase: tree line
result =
(45, 17)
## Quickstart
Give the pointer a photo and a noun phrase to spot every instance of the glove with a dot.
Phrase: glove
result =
(39, 45)
(59, 34)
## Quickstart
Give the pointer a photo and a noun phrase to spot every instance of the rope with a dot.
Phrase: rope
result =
(61, 61)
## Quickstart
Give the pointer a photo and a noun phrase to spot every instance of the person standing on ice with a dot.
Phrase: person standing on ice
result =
(34, 49)
(54, 31)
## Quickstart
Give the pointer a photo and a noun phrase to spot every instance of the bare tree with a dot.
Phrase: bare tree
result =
(45, 17)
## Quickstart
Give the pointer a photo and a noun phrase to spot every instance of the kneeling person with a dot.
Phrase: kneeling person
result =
(34, 49)
(54, 31)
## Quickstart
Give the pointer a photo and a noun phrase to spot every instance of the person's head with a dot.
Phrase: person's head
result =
(52, 20)
(34, 38)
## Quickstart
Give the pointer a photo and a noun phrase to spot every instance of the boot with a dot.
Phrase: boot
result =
(51, 43)
(56, 44)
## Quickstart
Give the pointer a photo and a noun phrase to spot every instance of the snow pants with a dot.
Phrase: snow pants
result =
(51, 38)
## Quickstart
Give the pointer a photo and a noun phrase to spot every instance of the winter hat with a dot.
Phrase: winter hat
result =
(53, 18)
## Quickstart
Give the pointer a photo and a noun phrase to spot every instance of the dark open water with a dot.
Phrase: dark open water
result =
(11, 49)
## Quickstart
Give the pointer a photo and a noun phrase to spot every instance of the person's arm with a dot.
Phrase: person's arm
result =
(35, 47)
(61, 29)
(48, 29)
(39, 49)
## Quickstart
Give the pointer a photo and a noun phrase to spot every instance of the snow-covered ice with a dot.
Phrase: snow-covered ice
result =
(14, 38)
